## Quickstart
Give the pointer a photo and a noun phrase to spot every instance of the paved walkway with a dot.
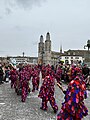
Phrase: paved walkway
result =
(11, 107)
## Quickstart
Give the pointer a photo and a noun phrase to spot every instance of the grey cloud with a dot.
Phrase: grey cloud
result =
(21, 27)
(10, 5)
(1, 17)
(28, 3)
(8, 11)
(17, 27)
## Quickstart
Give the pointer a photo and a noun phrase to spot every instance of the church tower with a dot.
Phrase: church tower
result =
(47, 55)
(40, 50)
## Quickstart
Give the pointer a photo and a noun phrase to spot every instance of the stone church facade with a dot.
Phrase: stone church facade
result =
(45, 53)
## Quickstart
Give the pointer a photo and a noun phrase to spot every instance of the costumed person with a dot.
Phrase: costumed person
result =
(73, 107)
(28, 77)
(43, 71)
(35, 79)
(24, 84)
(47, 92)
(58, 74)
(13, 77)
(73, 71)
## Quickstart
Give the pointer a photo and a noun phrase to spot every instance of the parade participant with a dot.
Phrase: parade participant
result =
(69, 73)
(73, 71)
(7, 72)
(64, 75)
(85, 71)
(47, 92)
(43, 71)
(24, 83)
(58, 74)
(24, 90)
(73, 107)
(13, 77)
(35, 79)
(1, 75)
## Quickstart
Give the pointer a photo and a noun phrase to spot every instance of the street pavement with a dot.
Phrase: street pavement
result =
(11, 107)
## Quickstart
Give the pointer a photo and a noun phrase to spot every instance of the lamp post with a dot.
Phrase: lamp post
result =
(23, 57)
(23, 54)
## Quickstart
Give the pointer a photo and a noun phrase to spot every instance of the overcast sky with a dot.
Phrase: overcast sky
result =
(23, 21)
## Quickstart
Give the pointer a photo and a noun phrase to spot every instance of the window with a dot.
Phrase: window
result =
(76, 57)
(66, 57)
(66, 62)
(68, 53)
(71, 61)
(73, 53)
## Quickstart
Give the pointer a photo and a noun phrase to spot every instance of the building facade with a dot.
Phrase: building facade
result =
(20, 59)
(47, 56)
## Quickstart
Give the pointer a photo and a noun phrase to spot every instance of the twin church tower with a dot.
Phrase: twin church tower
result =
(44, 50)
(45, 55)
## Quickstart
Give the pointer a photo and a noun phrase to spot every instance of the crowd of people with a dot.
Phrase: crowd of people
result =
(77, 77)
